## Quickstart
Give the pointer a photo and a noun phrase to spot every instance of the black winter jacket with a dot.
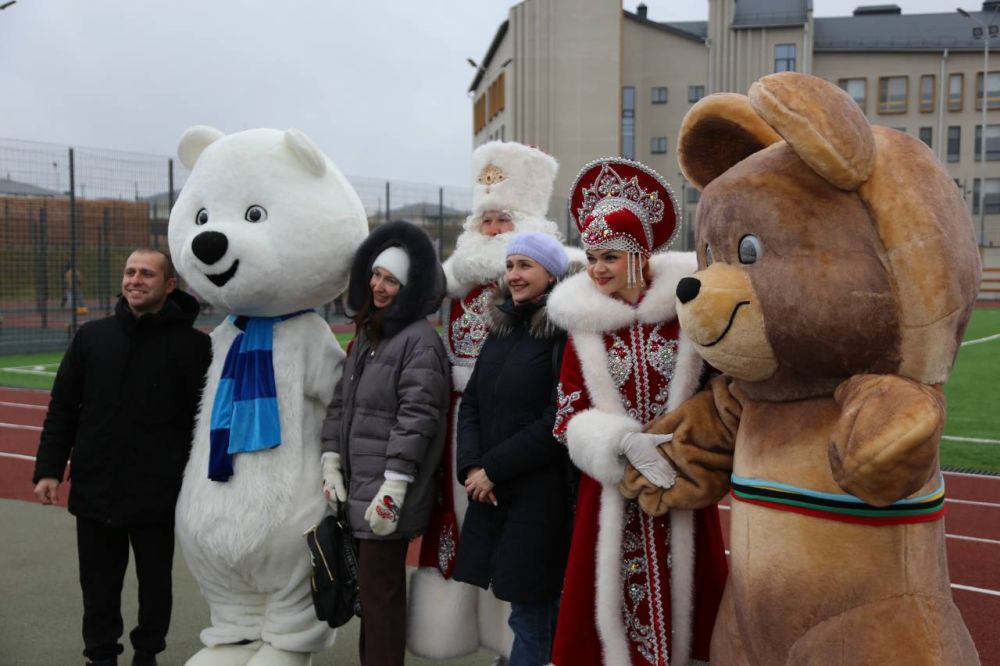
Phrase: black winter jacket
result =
(518, 547)
(122, 411)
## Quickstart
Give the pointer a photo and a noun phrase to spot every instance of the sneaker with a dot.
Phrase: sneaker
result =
(143, 658)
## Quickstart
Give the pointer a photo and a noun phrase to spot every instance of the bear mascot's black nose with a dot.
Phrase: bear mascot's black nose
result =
(209, 246)
(687, 289)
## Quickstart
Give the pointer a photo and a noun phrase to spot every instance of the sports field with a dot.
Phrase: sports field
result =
(971, 439)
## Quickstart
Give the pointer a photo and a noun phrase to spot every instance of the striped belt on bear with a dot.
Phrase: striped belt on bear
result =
(838, 506)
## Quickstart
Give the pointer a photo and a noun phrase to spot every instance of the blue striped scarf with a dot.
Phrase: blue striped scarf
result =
(245, 411)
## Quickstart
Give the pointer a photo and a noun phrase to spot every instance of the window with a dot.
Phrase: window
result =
(479, 114)
(892, 91)
(857, 89)
(628, 122)
(784, 57)
(926, 135)
(659, 95)
(992, 198)
(992, 90)
(956, 82)
(497, 95)
(658, 145)
(992, 143)
(927, 93)
(693, 195)
(695, 93)
(954, 143)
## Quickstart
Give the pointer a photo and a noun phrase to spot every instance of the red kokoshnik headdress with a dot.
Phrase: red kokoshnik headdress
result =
(618, 204)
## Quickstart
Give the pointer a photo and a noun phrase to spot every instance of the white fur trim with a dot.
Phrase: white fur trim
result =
(441, 618)
(528, 175)
(592, 439)
(577, 306)
(681, 583)
(687, 373)
(601, 387)
(608, 611)
(460, 375)
(494, 632)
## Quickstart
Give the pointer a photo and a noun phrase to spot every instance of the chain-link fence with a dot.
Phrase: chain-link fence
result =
(69, 217)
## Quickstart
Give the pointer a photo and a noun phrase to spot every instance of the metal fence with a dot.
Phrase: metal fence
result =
(69, 217)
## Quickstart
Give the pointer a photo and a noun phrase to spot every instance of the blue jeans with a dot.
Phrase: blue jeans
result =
(533, 625)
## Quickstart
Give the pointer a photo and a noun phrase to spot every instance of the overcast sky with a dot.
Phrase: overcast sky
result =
(380, 86)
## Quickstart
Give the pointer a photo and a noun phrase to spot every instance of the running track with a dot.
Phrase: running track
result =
(973, 520)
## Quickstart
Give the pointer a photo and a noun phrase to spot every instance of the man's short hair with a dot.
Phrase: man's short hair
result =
(168, 264)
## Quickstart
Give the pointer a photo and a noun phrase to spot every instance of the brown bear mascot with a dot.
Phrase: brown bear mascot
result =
(837, 272)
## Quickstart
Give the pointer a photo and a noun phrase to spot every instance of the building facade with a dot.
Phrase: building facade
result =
(587, 79)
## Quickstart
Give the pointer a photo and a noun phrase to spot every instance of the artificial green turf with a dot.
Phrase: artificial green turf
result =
(19, 380)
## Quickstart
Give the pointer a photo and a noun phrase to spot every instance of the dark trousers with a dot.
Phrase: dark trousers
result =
(103, 553)
(382, 587)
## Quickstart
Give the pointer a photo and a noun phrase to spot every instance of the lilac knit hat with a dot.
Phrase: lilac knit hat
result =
(541, 247)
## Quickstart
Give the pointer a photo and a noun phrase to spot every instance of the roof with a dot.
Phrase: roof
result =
(19, 189)
(490, 52)
(424, 209)
(684, 29)
(895, 32)
(770, 13)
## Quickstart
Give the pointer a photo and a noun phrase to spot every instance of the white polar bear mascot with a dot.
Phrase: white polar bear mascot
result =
(265, 229)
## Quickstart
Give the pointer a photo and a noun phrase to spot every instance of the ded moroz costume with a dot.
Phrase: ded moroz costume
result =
(447, 618)
(638, 589)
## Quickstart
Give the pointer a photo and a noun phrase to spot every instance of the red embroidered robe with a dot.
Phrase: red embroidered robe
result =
(638, 590)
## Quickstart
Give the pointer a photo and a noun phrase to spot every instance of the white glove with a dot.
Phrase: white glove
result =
(383, 512)
(640, 448)
(333, 480)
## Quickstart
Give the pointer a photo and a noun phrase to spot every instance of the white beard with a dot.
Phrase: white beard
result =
(479, 259)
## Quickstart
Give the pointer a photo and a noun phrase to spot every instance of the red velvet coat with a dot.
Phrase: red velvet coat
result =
(638, 590)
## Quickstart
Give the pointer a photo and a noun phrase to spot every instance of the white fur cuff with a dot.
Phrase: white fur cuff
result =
(593, 437)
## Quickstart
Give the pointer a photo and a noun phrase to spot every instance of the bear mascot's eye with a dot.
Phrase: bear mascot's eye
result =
(201, 217)
(709, 259)
(750, 249)
(255, 214)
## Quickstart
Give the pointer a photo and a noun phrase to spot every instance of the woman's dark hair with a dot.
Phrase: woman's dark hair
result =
(371, 317)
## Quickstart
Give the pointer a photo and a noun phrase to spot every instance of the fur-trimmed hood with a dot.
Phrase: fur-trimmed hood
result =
(424, 290)
(577, 306)
(504, 316)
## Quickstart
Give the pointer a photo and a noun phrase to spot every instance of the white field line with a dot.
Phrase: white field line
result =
(30, 370)
(17, 426)
(962, 537)
(976, 440)
(991, 505)
(985, 477)
(980, 590)
(17, 456)
(21, 405)
(981, 340)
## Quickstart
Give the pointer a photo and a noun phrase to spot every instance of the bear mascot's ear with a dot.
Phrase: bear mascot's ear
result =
(306, 151)
(195, 140)
(821, 123)
(719, 131)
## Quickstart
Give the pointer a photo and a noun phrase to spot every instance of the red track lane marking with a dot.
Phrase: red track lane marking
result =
(15, 426)
(22, 405)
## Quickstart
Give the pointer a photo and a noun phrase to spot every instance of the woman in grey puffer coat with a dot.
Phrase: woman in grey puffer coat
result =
(384, 429)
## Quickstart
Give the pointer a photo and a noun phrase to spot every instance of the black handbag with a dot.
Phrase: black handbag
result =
(334, 570)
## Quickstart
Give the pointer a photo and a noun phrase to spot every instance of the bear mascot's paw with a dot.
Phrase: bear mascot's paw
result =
(224, 655)
(704, 431)
(882, 460)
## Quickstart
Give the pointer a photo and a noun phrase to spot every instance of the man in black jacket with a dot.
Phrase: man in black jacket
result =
(122, 412)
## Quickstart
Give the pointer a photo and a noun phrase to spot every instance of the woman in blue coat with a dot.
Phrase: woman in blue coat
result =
(516, 532)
